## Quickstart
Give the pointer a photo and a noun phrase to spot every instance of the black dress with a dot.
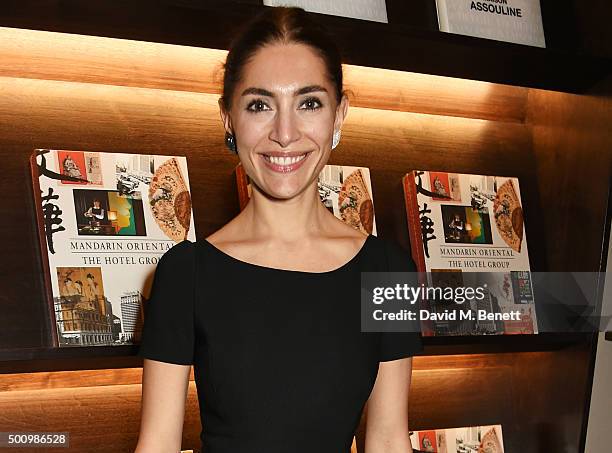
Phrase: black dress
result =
(280, 362)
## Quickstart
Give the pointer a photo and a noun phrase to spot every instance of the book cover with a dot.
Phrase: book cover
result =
(472, 439)
(344, 190)
(468, 231)
(517, 21)
(104, 220)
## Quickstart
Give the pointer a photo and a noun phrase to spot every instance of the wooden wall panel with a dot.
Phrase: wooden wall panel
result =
(572, 142)
(572, 145)
(525, 392)
(71, 379)
(77, 58)
(99, 419)
(423, 93)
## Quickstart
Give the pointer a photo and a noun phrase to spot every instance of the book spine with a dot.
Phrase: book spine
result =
(242, 182)
(44, 254)
(416, 242)
(414, 223)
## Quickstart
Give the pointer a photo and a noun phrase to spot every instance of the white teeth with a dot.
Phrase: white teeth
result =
(285, 160)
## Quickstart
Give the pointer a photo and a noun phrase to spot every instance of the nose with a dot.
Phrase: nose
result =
(285, 129)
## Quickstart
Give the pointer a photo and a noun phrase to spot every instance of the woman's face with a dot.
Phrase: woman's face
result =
(283, 114)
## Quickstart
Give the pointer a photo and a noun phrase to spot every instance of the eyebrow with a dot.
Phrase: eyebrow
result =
(310, 89)
(303, 90)
(259, 91)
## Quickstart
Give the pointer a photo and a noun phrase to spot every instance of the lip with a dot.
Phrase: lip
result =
(284, 168)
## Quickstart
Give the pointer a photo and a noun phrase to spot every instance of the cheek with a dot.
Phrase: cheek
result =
(321, 135)
(319, 129)
(250, 131)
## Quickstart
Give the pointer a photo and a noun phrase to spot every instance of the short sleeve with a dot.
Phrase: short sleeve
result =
(399, 345)
(168, 330)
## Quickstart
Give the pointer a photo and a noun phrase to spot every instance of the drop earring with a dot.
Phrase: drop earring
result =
(335, 139)
(230, 142)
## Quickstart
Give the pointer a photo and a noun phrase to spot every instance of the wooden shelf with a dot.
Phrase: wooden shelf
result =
(107, 357)
(494, 344)
(213, 24)
(25, 360)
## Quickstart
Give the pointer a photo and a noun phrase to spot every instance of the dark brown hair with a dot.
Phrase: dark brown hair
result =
(280, 25)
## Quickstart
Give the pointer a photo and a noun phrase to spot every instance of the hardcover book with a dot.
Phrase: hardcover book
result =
(476, 439)
(345, 191)
(104, 220)
(467, 231)
(517, 21)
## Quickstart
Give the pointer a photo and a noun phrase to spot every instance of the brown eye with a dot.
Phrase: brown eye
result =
(257, 105)
(311, 103)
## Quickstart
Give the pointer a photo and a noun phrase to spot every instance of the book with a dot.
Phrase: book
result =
(471, 439)
(344, 190)
(467, 231)
(517, 21)
(104, 220)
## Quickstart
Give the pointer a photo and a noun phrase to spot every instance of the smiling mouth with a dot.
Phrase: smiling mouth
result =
(279, 160)
(284, 164)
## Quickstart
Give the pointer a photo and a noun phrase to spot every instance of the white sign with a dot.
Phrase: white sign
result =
(518, 21)
(374, 10)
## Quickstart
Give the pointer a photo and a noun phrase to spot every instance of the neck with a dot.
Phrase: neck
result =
(288, 220)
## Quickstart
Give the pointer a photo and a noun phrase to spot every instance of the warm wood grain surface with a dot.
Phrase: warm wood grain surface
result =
(99, 419)
(78, 58)
(521, 391)
(573, 150)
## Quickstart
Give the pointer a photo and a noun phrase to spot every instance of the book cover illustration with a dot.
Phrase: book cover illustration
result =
(344, 190)
(104, 220)
(468, 231)
(472, 439)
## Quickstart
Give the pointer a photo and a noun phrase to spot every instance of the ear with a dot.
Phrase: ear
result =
(341, 111)
(225, 117)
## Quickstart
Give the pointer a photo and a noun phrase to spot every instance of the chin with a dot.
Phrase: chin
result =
(284, 187)
(283, 191)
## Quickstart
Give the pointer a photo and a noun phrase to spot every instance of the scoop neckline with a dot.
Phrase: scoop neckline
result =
(291, 271)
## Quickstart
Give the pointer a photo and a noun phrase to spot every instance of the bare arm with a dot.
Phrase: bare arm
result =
(387, 409)
(164, 391)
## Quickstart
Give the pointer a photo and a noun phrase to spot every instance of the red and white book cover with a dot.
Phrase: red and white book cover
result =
(104, 220)
(468, 230)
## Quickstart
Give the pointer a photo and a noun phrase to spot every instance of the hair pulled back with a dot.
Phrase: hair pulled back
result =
(285, 25)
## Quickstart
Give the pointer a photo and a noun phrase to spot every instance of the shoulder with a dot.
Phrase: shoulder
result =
(389, 256)
(179, 255)
(184, 247)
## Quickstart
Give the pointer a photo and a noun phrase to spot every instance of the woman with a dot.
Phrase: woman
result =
(95, 213)
(267, 308)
